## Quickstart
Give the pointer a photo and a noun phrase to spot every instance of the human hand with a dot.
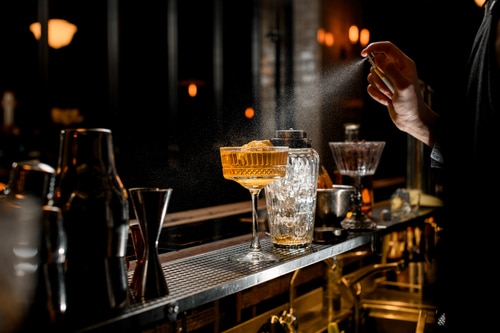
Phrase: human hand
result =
(405, 103)
(397, 67)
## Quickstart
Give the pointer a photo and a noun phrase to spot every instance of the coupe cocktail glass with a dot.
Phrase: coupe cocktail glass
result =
(253, 167)
(357, 159)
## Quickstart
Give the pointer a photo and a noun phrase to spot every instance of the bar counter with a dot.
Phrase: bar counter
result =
(199, 274)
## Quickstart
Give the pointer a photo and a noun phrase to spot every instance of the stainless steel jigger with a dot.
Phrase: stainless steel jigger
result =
(150, 207)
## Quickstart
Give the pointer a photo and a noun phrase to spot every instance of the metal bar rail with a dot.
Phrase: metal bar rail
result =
(202, 274)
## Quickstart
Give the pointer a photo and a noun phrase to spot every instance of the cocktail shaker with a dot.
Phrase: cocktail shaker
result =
(291, 201)
(22, 243)
(95, 210)
(31, 177)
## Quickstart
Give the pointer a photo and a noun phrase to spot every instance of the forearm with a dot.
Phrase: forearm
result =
(422, 122)
(428, 127)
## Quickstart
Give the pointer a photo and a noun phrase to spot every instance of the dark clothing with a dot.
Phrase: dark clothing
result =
(477, 122)
(483, 93)
(470, 145)
(437, 160)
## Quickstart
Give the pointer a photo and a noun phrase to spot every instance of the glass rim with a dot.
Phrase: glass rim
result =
(150, 189)
(336, 187)
(86, 130)
(267, 148)
(341, 143)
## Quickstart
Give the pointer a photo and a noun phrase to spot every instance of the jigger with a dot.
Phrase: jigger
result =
(150, 207)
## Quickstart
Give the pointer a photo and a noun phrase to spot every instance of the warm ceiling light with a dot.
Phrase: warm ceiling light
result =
(364, 37)
(480, 3)
(192, 90)
(192, 85)
(320, 35)
(249, 112)
(329, 39)
(353, 34)
(61, 32)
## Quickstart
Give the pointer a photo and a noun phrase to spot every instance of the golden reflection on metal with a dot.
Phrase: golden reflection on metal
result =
(61, 32)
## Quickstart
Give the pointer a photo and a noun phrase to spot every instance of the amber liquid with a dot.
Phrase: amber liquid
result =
(255, 168)
(367, 195)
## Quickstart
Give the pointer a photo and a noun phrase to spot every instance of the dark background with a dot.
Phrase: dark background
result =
(155, 147)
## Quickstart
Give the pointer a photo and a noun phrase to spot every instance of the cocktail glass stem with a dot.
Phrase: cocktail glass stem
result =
(357, 199)
(255, 244)
(255, 255)
(358, 219)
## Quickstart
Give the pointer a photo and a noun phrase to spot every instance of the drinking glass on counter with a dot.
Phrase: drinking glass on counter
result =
(253, 166)
(357, 159)
(405, 203)
(291, 200)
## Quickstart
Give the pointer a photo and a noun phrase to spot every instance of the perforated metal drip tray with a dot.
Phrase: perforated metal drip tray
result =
(198, 275)
(178, 237)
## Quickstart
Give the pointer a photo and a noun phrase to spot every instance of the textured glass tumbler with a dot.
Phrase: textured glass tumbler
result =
(291, 201)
